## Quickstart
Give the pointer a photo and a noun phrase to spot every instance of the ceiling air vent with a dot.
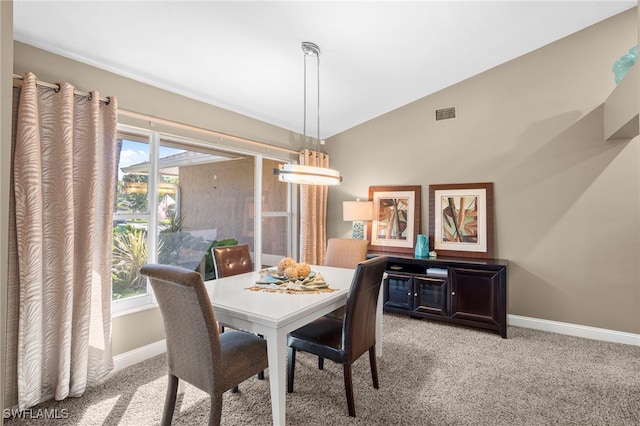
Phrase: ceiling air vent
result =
(445, 113)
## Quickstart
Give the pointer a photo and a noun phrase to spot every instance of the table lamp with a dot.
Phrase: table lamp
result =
(358, 212)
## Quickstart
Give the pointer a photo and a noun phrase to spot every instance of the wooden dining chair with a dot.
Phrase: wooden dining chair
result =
(344, 341)
(196, 351)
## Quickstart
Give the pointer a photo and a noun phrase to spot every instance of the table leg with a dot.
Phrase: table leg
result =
(277, 354)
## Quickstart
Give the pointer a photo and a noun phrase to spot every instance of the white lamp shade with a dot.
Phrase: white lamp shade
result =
(308, 175)
(357, 210)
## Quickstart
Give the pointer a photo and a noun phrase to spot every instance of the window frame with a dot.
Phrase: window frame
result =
(155, 138)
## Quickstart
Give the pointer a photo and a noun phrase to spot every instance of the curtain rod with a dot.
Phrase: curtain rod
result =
(167, 122)
(56, 87)
(203, 130)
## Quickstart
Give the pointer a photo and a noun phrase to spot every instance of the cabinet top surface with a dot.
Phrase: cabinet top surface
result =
(402, 257)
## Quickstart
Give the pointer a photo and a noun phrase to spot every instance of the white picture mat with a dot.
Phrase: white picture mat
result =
(481, 245)
(411, 204)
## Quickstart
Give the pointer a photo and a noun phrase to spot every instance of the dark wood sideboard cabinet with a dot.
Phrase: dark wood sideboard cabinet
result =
(466, 291)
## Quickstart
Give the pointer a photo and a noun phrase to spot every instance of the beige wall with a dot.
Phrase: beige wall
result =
(567, 203)
(136, 330)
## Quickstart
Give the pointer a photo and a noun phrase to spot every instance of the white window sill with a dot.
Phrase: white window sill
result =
(133, 310)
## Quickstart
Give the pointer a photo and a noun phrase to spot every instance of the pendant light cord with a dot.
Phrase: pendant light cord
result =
(311, 49)
(318, 152)
(305, 173)
(304, 125)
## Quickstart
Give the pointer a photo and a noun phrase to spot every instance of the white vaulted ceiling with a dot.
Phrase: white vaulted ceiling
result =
(245, 56)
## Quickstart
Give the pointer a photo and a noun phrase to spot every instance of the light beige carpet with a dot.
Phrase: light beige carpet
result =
(430, 374)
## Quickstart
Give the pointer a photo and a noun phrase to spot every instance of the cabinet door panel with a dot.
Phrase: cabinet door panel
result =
(474, 295)
(398, 291)
(430, 295)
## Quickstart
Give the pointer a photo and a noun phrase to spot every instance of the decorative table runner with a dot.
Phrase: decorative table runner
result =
(271, 282)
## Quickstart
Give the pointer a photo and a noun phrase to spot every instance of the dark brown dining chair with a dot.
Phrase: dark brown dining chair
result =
(196, 352)
(344, 341)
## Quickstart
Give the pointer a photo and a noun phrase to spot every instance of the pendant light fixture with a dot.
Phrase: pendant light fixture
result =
(308, 174)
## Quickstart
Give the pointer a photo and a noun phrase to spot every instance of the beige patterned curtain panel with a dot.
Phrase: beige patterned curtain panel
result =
(63, 188)
(313, 213)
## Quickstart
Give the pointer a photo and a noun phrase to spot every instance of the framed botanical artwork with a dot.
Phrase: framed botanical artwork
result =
(461, 219)
(396, 218)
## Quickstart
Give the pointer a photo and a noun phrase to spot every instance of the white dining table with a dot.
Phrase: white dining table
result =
(274, 315)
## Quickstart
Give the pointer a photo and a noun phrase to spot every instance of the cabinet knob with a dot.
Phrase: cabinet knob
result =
(408, 294)
(453, 293)
(416, 294)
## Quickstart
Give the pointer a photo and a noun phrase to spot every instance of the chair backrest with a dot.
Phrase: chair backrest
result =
(191, 330)
(345, 252)
(232, 260)
(359, 326)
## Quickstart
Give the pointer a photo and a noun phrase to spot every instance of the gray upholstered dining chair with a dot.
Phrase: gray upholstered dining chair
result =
(344, 341)
(196, 351)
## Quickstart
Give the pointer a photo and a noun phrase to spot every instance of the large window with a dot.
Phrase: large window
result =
(177, 198)
(130, 223)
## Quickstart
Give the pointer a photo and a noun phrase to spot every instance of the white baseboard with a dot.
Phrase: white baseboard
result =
(138, 355)
(574, 330)
(149, 351)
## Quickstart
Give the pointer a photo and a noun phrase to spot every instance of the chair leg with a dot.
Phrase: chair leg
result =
(374, 365)
(170, 401)
(215, 413)
(348, 388)
(320, 363)
(291, 366)
(261, 373)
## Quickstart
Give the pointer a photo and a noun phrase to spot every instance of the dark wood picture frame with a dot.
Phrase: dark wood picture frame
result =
(446, 235)
(385, 198)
